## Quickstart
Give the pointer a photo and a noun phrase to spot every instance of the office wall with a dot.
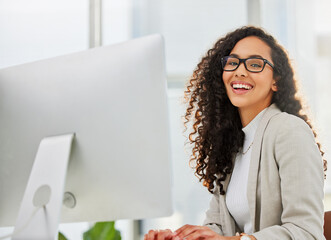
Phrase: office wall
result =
(36, 29)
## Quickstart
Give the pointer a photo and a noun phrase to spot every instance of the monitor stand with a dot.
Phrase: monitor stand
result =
(39, 213)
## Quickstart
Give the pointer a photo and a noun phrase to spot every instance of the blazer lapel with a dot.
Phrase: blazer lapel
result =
(255, 161)
(228, 223)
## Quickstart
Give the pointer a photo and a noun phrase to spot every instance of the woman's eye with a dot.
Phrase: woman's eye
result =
(256, 65)
(233, 63)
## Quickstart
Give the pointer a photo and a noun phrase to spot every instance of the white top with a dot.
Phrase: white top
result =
(236, 195)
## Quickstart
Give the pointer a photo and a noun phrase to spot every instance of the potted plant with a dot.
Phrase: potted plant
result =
(99, 231)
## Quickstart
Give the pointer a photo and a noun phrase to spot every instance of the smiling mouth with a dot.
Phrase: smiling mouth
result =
(239, 86)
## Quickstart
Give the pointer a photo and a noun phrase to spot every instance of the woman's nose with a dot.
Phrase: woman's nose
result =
(241, 70)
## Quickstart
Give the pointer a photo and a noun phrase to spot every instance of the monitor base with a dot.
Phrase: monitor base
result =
(39, 213)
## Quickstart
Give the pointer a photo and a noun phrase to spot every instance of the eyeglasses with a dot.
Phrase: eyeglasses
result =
(252, 64)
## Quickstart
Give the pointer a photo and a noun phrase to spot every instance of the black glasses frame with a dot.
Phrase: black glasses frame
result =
(243, 60)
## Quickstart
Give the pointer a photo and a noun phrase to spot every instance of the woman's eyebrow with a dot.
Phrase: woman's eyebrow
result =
(250, 56)
(234, 55)
(256, 55)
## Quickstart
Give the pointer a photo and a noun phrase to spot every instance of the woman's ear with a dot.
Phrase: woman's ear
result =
(274, 86)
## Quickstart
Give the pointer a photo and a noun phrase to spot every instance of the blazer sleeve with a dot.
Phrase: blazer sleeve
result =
(213, 218)
(302, 178)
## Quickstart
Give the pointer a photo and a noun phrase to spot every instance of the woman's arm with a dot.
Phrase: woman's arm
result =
(191, 232)
(213, 218)
(301, 173)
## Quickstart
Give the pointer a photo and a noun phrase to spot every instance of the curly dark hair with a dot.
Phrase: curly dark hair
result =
(217, 134)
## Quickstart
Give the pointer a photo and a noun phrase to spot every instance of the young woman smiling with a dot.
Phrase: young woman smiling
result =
(253, 146)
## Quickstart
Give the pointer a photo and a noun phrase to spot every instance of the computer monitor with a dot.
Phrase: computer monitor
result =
(113, 99)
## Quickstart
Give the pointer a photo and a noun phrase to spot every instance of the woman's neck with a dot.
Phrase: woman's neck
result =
(247, 114)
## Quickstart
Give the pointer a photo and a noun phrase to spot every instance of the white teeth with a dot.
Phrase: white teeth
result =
(244, 86)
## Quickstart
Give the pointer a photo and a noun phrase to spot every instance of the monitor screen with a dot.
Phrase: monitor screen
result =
(113, 99)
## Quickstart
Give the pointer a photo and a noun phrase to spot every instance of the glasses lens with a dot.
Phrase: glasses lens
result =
(254, 64)
(230, 63)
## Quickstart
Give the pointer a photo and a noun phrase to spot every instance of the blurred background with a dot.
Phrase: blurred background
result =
(32, 30)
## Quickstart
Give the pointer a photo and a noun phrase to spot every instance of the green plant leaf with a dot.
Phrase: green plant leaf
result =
(102, 231)
(61, 237)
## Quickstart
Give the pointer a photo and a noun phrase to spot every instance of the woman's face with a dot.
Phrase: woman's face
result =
(247, 90)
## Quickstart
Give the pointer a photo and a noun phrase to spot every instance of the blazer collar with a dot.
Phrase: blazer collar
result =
(270, 112)
(255, 160)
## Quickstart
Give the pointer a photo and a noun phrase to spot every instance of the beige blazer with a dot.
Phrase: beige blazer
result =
(285, 184)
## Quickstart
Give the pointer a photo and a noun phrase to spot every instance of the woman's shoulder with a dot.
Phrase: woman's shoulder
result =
(284, 122)
(286, 119)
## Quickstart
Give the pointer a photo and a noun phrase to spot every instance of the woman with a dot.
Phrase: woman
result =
(254, 147)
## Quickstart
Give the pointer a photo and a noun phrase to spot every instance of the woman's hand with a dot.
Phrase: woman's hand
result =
(188, 232)
(160, 235)
(191, 232)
